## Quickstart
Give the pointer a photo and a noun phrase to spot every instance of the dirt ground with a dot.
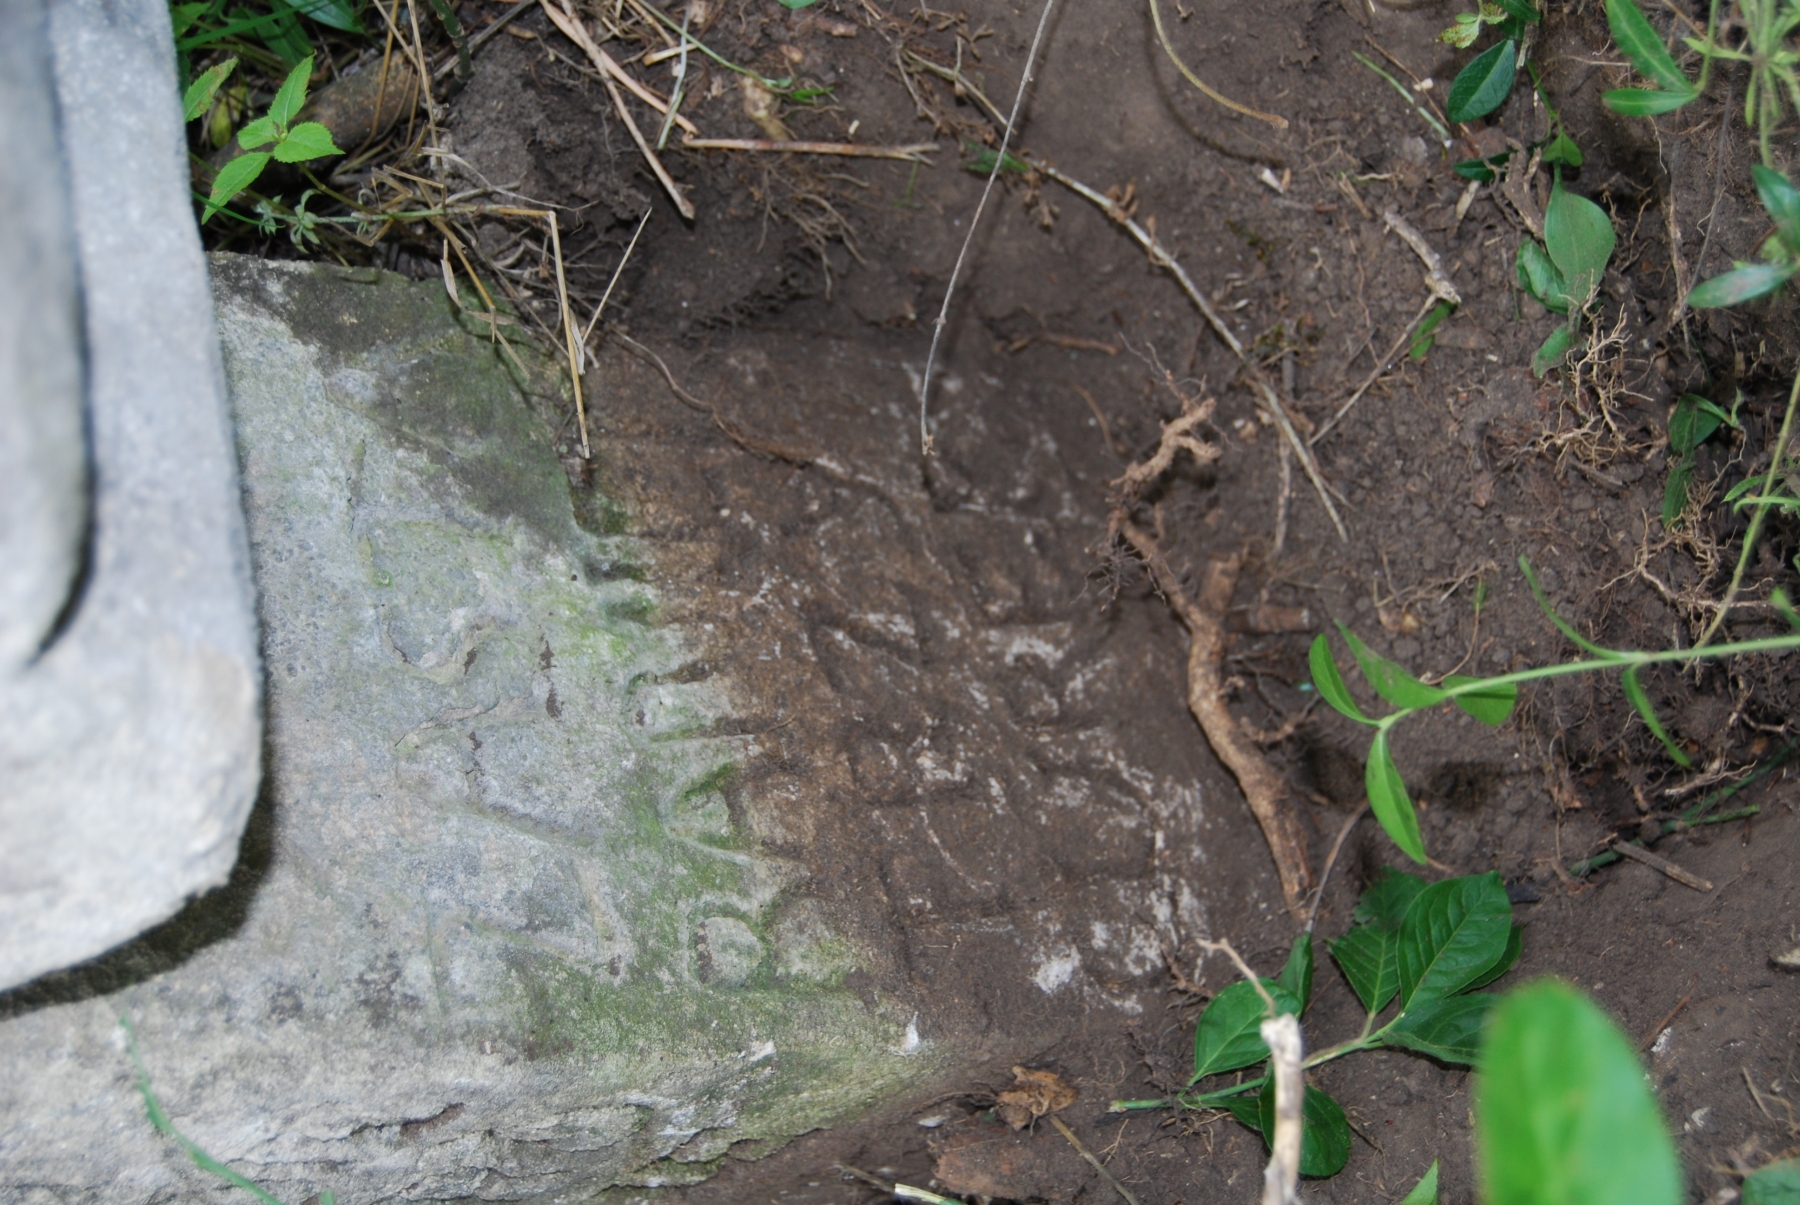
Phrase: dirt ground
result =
(964, 715)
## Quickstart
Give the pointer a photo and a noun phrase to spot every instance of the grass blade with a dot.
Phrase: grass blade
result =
(1562, 625)
(1634, 690)
(1642, 102)
(1743, 283)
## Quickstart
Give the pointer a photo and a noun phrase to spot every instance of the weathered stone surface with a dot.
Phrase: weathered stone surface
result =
(496, 933)
(129, 746)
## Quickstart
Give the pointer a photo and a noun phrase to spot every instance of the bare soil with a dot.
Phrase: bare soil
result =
(964, 714)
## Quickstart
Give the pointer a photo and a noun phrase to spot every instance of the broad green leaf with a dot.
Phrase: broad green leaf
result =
(292, 95)
(1425, 1191)
(1247, 1108)
(1782, 201)
(308, 140)
(1776, 1184)
(1634, 691)
(1539, 277)
(1643, 102)
(1691, 423)
(1745, 282)
(1551, 351)
(260, 132)
(1563, 1112)
(1297, 975)
(1229, 1034)
(1475, 169)
(1579, 237)
(1423, 336)
(1385, 901)
(1369, 958)
(1389, 801)
(1524, 10)
(1447, 1029)
(200, 93)
(1389, 678)
(1515, 943)
(338, 14)
(1481, 87)
(1324, 1133)
(1562, 625)
(1330, 683)
(1453, 932)
(233, 179)
(1489, 704)
(1638, 39)
(1562, 149)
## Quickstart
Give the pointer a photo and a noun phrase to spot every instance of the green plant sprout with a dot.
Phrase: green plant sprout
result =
(1491, 700)
(289, 143)
(1483, 85)
(1692, 423)
(160, 1119)
(1564, 272)
(1427, 947)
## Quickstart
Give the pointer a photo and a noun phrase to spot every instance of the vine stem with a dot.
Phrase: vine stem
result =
(1756, 519)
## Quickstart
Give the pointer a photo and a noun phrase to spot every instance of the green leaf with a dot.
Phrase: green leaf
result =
(1641, 44)
(1490, 704)
(985, 158)
(338, 14)
(1453, 933)
(1562, 625)
(1475, 169)
(1563, 1112)
(1779, 600)
(1634, 690)
(1539, 277)
(1369, 957)
(1423, 337)
(1782, 200)
(183, 16)
(1447, 1029)
(200, 93)
(1642, 102)
(1551, 351)
(1462, 35)
(1692, 422)
(1524, 10)
(1579, 237)
(292, 95)
(1776, 1184)
(1515, 943)
(1247, 1109)
(308, 140)
(1390, 679)
(233, 179)
(260, 132)
(1386, 900)
(1388, 799)
(1562, 149)
(1481, 87)
(1330, 683)
(1297, 975)
(1324, 1132)
(1229, 1034)
(1675, 491)
(798, 4)
(1425, 1191)
(1743, 283)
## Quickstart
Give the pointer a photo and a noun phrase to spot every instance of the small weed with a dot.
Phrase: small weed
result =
(288, 142)
(1564, 272)
(1491, 700)
(1428, 947)
(1692, 423)
(1484, 84)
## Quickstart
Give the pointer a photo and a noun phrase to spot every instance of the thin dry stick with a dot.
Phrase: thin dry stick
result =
(1272, 404)
(1098, 1166)
(943, 318)
(913, 153)
(1330, 861)
(1381, 366)
(1263, 788)
(1237, 960)
(568, 323)
(617, 272)
(1279, 123)
(1281, 1179)
(1286, 460)
(606, 65)
(1638, 853)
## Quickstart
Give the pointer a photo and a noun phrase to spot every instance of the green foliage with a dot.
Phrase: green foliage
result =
(1489, 700)
(1781, 253)
(1434, 941)
(160, 1119)
(271, 32)
(1776, 1184)
(1482, 85)
(1426, 333)
(288, 143)
(1636, 37)
(1563, 1114)
(1425, 1191)
(1564, 273)
(1691, 424)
